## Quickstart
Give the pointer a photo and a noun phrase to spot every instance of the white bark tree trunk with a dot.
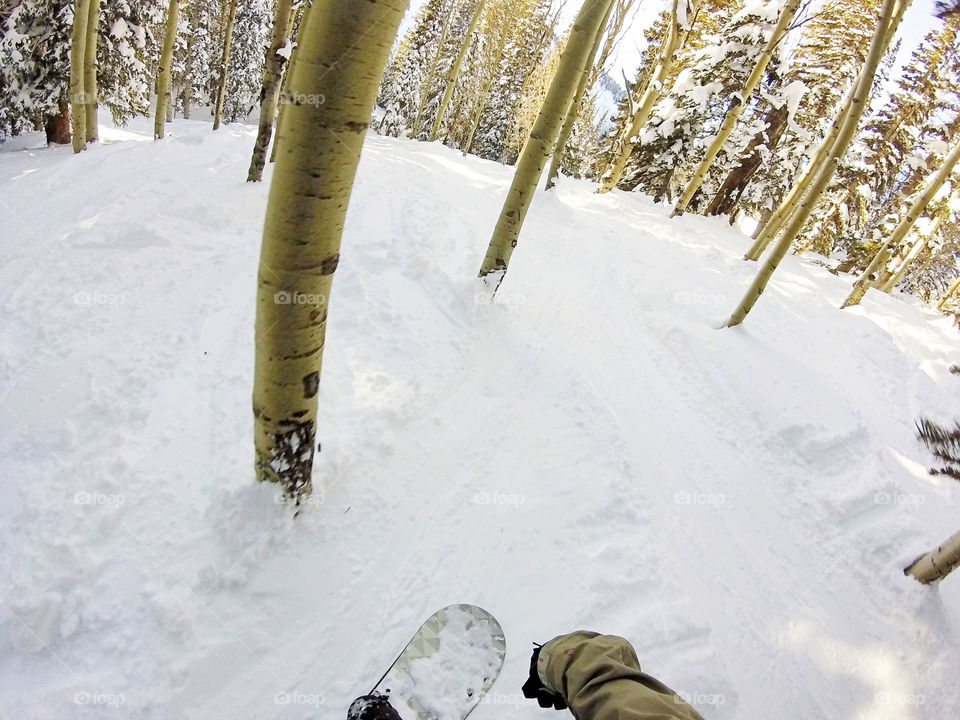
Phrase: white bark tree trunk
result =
(319, 150)
(542, 139)
(90, 89)
(270, 92)
(224, 63)
(163, 71)
(937, 563)
(78, 95)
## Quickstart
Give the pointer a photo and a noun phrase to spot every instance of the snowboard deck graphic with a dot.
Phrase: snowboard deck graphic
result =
(447, 667)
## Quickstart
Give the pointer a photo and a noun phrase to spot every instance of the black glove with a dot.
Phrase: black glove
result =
(533, 688)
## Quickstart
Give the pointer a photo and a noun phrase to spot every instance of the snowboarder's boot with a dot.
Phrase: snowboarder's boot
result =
(372, 707)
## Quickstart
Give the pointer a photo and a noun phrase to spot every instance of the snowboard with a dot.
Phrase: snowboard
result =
(447, 667)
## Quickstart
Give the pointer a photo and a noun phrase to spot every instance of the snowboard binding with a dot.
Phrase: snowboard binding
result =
(372, 707)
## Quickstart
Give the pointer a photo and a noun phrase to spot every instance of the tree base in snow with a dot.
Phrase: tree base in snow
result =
(57, 127)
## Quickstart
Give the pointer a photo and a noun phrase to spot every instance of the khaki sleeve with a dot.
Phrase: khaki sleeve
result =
(599, 676)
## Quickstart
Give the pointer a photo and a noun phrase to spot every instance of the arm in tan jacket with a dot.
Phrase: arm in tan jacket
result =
(599, 677)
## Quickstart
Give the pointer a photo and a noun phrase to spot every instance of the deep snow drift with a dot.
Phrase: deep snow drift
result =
(587, 451)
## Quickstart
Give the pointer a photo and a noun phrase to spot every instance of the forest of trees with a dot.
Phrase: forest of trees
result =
(793, 119)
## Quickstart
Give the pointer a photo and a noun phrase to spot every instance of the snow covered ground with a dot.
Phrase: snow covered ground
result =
(587, 451)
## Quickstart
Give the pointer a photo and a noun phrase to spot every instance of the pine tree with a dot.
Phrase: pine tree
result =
(944, 443)
(655, 34)
(35, 66)
(128, 48)
(200, 47)
(948, 8)
(823, 67)
(869, 178)
(421, 49)
(251, 37)
(438, 59)
(832, 148)
(532, 95)
(771, 117)
(740, 100)
(917, 208)
(825, 160)
(686, 122)
(502, 123)
(35, 38)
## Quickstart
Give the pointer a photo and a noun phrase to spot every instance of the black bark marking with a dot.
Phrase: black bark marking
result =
(291, 460)
(311, 384)
(329, 266)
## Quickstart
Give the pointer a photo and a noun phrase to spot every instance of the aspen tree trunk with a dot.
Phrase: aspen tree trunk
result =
(936, 564)
(628, 140)
(922, 244)
(90, 89)
(614, 26)
(272, 74)
(78, 95)
(894, 278)
(949, 293)
(739, 103)
(903, 227)
(542, 138)
(345, 49)
(890, 16)
(428, 83)
(865, 281)
(574, 110)
(224, 63)
(304, 12)
(163, 72)
(454, 72)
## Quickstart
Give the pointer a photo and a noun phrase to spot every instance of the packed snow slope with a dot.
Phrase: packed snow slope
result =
(589, 450)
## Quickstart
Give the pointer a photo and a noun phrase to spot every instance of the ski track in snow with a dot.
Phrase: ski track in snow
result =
(587, 451)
